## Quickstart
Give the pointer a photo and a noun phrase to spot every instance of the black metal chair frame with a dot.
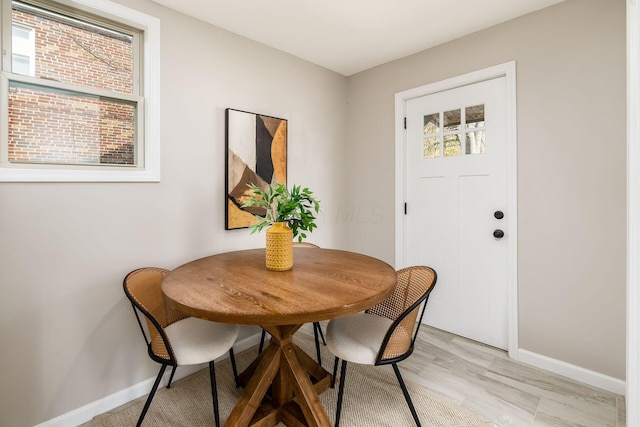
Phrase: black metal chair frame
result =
(394, 361)
(172, 359)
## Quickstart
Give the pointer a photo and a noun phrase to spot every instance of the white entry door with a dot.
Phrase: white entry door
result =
(456, 212)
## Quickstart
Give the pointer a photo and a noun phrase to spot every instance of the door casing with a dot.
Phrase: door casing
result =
(508, 71)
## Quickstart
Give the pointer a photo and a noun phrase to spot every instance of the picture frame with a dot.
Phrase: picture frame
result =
(256, 153)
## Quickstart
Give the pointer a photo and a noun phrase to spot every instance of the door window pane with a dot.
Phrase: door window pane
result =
(431, 131)
(431, 147)
(475, 137)
(475, 142)
(431, 123)
(452, 145)
(452, 120)
(475, 116)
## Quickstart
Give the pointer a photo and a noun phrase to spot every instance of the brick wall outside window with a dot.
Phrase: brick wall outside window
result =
(51, 126)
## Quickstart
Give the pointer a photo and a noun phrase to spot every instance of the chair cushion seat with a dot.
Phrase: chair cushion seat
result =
(196, 341)
(357, 338)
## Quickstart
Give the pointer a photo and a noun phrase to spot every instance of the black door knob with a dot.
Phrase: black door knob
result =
(498, 214)
(498, 234)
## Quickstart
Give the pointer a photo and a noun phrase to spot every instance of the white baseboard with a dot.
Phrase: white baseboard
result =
(87, 412)
(574, 372)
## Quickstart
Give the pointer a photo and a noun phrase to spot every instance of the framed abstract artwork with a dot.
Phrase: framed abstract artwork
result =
(256, 149)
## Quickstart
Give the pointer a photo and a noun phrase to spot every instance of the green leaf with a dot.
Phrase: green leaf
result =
(296, 207)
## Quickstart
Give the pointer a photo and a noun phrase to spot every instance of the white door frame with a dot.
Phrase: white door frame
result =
(507, 70)
(633, 213)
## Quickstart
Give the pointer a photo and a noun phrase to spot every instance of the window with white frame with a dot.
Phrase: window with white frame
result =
(78, 102)
(23, 50)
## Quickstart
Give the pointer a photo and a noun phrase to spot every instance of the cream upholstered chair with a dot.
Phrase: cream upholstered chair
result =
(384, 334)
(174, 338)
(317, 330)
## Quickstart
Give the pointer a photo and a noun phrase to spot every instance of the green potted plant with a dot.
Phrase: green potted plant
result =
(291, 214)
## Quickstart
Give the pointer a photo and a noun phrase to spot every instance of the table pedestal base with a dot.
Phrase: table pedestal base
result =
(294, 380)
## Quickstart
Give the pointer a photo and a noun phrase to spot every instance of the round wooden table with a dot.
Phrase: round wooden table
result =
(236, 287)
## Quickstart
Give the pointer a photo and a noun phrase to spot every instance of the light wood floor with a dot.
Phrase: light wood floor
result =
(509, 393)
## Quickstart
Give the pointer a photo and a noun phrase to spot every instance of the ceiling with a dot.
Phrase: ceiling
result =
(349, 36)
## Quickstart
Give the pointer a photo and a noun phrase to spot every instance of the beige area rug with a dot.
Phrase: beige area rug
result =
(372, 398)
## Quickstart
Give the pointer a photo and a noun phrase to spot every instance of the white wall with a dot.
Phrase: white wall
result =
(570, 61)
(69, 335)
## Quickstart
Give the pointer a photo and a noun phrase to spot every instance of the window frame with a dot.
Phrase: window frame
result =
(147, 97)
(462, 131)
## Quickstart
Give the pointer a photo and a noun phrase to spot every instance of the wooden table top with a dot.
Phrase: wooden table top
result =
(236, 287)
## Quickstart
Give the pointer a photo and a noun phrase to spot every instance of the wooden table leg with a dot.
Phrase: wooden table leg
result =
(285, 368)
(308, 399)
(247, 405)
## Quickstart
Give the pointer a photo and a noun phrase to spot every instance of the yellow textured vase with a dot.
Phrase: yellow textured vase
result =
(279, 248)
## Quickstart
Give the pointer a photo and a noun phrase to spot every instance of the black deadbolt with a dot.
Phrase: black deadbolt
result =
(498, 214)
(498, 234)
